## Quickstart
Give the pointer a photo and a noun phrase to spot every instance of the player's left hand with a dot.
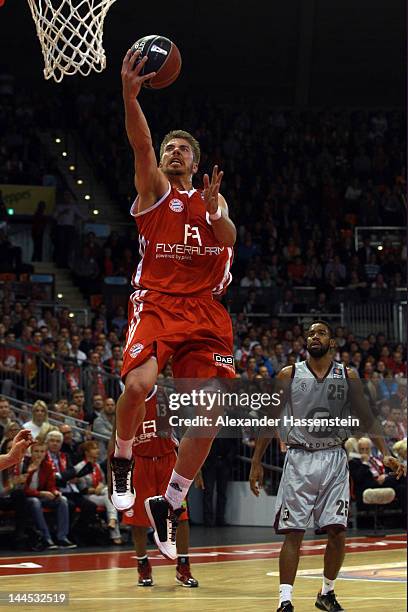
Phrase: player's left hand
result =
(256, 477)
(398, 469)
(212, 189)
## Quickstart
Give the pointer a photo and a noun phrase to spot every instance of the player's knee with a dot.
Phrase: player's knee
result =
(294, 538)
(336, 535)
(136, 389)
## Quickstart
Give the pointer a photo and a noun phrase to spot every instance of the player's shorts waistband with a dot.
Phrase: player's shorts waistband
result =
(142, 293)
(314, 450)
(157, 458)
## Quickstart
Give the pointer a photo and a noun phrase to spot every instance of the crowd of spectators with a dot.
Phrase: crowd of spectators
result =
(63, 473)
(373, 482)
(23, 158)
(297, 184)
(76, 370)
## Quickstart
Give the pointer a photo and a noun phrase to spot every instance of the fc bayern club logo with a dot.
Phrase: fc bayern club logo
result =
(176, 205)
(136, 349)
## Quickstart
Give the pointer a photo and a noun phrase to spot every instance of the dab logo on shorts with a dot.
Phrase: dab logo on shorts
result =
(224, 360)
(136, 349)
(285, 515)
(176, 205)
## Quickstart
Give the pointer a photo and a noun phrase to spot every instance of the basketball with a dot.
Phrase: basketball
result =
(163, 58)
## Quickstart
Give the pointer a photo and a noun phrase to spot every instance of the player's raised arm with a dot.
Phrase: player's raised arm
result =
(217, 208)
(370, 423)
(150, 182)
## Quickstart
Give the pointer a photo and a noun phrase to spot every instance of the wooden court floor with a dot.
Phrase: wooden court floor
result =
(246, 579)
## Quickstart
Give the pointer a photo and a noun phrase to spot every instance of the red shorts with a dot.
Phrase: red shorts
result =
(197, 332)
(151, 476)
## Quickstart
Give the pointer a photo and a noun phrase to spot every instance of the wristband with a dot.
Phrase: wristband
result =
(215, 216)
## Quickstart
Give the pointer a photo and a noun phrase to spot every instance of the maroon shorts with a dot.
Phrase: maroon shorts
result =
(197, 332)
(151, 476)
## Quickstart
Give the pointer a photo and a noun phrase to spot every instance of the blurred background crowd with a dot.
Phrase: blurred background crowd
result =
(318, 198)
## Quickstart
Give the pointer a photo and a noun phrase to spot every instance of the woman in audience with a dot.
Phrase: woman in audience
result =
(41, 492)
(39, 419)
(94, 487)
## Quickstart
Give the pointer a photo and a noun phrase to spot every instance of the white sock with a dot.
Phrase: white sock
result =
(285, 593)
(177, 490)
(123, 448)
(328, 585)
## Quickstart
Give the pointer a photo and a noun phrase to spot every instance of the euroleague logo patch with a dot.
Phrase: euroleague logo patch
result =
(224, 360)
(136, 349)
(176, 205)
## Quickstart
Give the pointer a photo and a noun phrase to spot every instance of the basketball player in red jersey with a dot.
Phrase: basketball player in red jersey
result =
(154, 453)
(186, 240)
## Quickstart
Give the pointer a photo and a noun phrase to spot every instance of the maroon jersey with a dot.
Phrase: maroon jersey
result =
(154, 437)
(179, 252)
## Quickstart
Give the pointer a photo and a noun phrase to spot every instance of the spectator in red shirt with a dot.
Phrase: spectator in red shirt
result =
(396, 365)
(42, 492)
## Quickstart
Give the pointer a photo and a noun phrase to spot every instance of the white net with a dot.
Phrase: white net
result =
(71, 35)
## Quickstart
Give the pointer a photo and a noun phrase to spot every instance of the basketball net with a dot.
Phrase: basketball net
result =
(71, 35)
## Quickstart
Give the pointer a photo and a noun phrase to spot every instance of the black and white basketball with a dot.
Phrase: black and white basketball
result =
(163, 58)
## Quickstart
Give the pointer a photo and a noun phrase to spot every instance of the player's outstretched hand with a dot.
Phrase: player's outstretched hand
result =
(132, 80)
(398, 469)
(212, 189)
(256, 477)
(21, 442)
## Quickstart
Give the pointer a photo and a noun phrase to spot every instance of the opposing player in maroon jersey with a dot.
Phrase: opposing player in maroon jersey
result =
(154, 453)
(186, 240)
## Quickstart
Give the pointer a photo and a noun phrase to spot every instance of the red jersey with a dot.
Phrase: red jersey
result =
(154, 437)
(179, 252)
(10, 357)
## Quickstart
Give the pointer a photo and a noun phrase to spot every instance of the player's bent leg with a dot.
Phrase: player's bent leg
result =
(183, 571)
(130, 408)
(130, 411)
(144, 569)
(196, 443)
(333, 560)
(288, 564)
(192, 453)
(163, 511)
